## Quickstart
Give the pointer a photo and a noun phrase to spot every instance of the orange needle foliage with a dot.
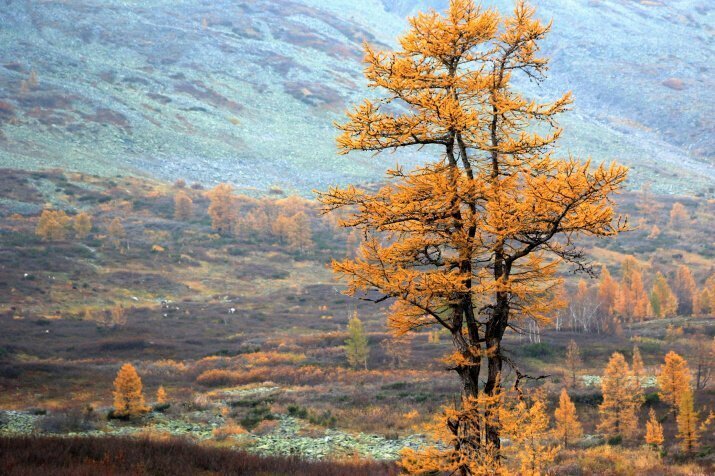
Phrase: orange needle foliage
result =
(128, 396)
(673, 379)
(568, 428)
(653, 431)
(472, 240)
(621, 399)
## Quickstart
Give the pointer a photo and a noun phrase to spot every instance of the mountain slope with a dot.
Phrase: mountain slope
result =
(247, 91)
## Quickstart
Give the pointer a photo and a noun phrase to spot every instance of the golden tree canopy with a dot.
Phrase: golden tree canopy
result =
(128, 396)
(472, 240)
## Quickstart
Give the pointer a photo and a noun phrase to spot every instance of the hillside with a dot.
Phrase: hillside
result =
(269, 377)
(247, 92)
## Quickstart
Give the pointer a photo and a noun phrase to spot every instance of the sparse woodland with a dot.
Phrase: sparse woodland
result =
(505, 308)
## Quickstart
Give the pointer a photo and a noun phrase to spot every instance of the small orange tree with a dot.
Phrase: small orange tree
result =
(472, 240)
(116, 233)
(673, 379)
(222, 208)
(82, 225)
(568, 428)
(621, 399)
(573, 361)
(161, 397)
(687, 419)
(183, 206)
(128, 396)
(52, 225)
(653, 431)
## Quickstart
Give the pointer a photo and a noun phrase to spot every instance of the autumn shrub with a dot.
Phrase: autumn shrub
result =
(272, 358)
(227, 430)
(613, 460)
(256, 414)
(265, 427)
(40, 456)
(73, 420)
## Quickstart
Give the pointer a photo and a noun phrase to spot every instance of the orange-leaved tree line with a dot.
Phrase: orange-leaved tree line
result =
(472, 240)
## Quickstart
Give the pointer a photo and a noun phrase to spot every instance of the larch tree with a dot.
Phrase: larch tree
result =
(663, 300)
(128, 396)
(678, 216)
(632, 301)
(299, 233)
(687, 419)
(637, 367)
(607, 295)
(527, 426)
(116, 233)
(472, 240)
(222, 208)
(673, 379)
(183, 206)
(573, 361)
(161, 397)
(82, 225)
(53, 225)
(621, 399)
(653, 431)
(568, 428)
(357, 349)
(685, 290)
(704, 360)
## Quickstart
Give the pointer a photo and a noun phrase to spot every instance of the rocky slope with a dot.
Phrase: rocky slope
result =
(247, 91)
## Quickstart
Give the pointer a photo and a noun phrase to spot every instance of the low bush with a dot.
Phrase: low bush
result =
(39, 456)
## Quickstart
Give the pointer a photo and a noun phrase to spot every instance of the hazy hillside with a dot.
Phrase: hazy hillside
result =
(248, 91)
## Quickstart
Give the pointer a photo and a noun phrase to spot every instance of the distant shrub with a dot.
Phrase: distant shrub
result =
(229, 429)
(325, 419)
(255, 415)
(70, 421)
(539, 350)
(589, 399)
(652, 398)
(297, 411)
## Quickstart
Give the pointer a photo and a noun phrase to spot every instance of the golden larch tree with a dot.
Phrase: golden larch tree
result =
(161, 397)
(685, 290)
(663, 300)
(607, 295)
(118, 316)
(568, 428)
(653, 431)
(116, 233)
(128, 396)
(637, 366)
(53, 225)
(632, 302)
(687, 419)
(704, 360)
(470, 240)
(299, 233)
(673, 379)
(82, 224)
(527, 426)
(222, 209)
(573, 362)
(621, 399)
(678, 216)
(183, 206)
(357, 349)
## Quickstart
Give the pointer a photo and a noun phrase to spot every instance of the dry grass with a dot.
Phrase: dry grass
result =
(137, 457)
